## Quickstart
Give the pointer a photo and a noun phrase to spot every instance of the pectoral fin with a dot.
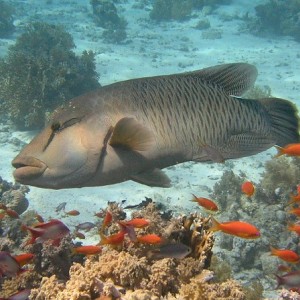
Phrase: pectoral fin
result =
(155, 177)
(129, 133)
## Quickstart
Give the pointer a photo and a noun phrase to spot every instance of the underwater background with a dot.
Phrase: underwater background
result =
(52, 51)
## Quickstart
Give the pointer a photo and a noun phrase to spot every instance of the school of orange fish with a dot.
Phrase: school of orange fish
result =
(54, 230)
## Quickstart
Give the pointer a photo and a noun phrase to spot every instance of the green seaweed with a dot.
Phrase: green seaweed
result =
(41, 72)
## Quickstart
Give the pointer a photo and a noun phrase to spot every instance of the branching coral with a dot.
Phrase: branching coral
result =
(128, 270)
(40, 72)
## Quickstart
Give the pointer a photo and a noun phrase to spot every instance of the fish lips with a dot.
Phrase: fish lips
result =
(27, 168)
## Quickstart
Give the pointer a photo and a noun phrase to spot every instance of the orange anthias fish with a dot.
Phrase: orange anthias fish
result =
(72, 212)
(8, 265)
(295, 228)
(114, 239)
(294, 199)
(286, 255)
(248, 188)
(24, 258)
(237, 228)
(12, 213)
(87, 250)
(149, 239)
(295, 211)
(107, 219)
(136, 223)
(54, 230)
(289, 150)
(205, 203)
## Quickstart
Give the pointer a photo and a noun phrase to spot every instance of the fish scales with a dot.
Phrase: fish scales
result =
(211, 116)
(135, 128)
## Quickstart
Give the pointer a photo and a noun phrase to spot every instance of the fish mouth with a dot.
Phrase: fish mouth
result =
(27, 168)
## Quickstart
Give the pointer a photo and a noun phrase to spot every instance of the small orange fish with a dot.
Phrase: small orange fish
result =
(12, 213)
(73, 212)
(248, 188)
(114, 239)
(237, 228)
(24, 259)
(289, 150)
(87, 250)
(8, 265)
(136, 223)
(205, 203)
(294, 199)
(294, 227)
(149, 239)
(107, 220)
(295, 211)
(286, 255)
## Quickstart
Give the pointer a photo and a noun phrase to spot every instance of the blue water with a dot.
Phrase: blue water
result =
(154, 47)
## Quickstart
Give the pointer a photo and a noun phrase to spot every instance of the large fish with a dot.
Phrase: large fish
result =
(135, 128)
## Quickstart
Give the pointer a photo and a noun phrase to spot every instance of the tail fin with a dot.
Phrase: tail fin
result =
(284, 119)
(273, 250)
(215, 226)
(280, 281)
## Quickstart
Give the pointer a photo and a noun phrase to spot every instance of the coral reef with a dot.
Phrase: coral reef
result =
(280, 177)
(40, 72)
(277, 17)
(127, 271)
(268, 210)
(6, 19)
(106, 16)
(12, 196)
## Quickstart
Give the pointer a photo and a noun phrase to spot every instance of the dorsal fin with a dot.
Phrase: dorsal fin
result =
(234, 78)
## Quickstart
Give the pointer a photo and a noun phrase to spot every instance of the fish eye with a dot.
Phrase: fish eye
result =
(55, 126)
